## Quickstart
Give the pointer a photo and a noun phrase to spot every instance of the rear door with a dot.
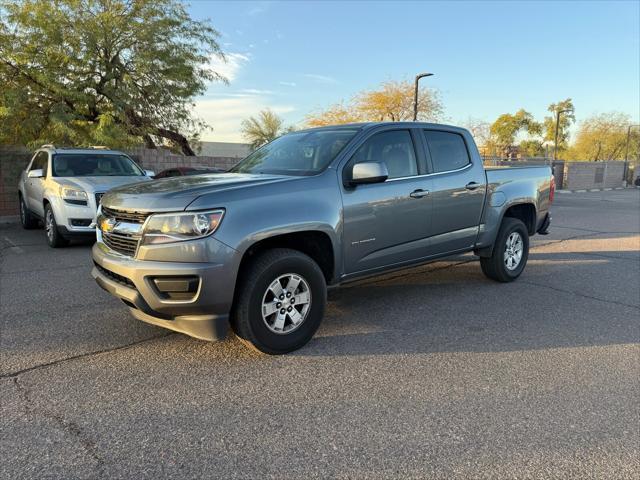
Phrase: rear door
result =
(383, 223)
(458, 190)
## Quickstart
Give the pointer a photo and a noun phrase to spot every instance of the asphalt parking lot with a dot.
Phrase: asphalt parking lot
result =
(434, 372)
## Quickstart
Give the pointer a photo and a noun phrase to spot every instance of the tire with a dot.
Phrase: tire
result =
(27, 220)
(502, 266)
(269, 333)
(54, 238)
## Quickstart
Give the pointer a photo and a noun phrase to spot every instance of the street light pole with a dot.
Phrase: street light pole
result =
(555, 143)
(415, 95)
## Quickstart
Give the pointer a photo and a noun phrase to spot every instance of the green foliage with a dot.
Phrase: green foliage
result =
(604, 137)
(567, 117)
(507, 126)
(111, 72)
(531, 148)
(264, 128)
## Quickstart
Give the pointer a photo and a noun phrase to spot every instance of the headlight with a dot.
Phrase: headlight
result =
(73, 195)
(176, 227)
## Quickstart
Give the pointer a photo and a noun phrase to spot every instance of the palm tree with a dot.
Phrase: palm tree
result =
(266, 127)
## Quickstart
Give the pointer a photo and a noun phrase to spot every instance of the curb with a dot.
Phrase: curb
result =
(9, 219)
(594, 190)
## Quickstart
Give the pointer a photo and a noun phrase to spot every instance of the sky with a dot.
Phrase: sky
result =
(487, 58)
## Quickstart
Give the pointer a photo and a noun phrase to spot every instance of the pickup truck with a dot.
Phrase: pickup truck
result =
(256, 247)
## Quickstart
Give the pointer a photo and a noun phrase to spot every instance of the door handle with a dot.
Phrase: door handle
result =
(419, 193)
(472, 185)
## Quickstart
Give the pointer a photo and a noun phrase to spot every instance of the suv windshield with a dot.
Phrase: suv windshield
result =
(297, 153)
(94, 165)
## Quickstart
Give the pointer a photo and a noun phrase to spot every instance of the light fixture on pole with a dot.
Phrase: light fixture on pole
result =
(415, 95)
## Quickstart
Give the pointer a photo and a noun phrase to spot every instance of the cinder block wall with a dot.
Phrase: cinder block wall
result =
(591, 175)
(12, 161)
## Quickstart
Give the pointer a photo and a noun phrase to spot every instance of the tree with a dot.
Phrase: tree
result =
(392, 101)
(507, 126)
(102, 71)
(604, 137)
(263, 129)
(531, 148)
(566, 119)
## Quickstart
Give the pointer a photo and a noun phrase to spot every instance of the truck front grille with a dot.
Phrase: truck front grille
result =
(124, 215)
(121, 243)
(114, 276)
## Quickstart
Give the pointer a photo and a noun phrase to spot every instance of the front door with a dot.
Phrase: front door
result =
(35, 186)
(387, 223)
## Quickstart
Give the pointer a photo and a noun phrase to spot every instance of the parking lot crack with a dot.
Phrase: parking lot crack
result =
(69, 428)
(82, 355)
(583, 295)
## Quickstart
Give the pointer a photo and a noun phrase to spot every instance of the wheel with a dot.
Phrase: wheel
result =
(510, 252)
(281, 301)
(54, 239)
(27, 220)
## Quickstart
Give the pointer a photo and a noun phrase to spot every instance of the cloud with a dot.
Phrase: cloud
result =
(288, 84)
(229, 68)
(225, 115)
(320, 78)
(255, 91)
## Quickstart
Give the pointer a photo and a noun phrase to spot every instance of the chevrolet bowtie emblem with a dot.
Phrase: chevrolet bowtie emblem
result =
(108, 224)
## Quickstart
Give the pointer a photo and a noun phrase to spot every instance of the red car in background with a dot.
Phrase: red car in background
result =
(182, 171)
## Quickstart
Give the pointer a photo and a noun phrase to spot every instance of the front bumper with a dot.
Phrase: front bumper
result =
(204, 316)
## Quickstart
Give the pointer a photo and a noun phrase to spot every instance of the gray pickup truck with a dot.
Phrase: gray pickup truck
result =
(256, 248)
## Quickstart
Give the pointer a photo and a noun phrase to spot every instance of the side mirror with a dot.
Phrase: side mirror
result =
(369, 172)
(150, 173)
(37, 173)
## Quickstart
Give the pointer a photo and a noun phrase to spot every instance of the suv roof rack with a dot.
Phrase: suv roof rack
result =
(99, 147)
(48, 145)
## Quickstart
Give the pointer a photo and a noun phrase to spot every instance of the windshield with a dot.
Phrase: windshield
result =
(94, 165)
(298, 153)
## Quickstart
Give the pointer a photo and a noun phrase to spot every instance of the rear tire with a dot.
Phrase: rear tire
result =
(54, 238)
(280, 303)
(510, 252)
(27, 220)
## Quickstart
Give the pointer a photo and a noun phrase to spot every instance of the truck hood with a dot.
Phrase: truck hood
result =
(173, 194)
(99, 183)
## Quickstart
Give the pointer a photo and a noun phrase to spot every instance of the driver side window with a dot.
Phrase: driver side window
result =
(394, 148)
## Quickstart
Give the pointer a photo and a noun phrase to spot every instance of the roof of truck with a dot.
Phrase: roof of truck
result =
(367, 125)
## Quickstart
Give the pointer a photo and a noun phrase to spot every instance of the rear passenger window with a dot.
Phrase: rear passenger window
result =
(448, 150)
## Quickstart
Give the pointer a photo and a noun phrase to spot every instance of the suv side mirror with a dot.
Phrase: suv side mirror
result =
(369, 172)
(150, 173)
(36, 173)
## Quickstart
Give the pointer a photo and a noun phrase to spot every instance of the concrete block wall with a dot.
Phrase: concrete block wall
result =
(592, 175)
(12, 161)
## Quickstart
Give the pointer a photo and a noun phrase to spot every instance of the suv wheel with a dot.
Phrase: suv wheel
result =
(510, 252)
(54, 239)
(27, 220)
(280, 302)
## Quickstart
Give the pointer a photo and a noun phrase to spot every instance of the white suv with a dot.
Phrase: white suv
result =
(62, 187)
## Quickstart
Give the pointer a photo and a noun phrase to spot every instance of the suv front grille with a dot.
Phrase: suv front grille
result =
(98, 198)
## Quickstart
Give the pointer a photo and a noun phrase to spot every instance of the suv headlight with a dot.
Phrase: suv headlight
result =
(73, 195)
(177, 227)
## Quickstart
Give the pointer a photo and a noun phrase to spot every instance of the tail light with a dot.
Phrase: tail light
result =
(552, 189)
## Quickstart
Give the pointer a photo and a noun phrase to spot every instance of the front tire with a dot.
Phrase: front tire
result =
(54, 239)
(27, 220)
(510, 252)
(280, 302)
